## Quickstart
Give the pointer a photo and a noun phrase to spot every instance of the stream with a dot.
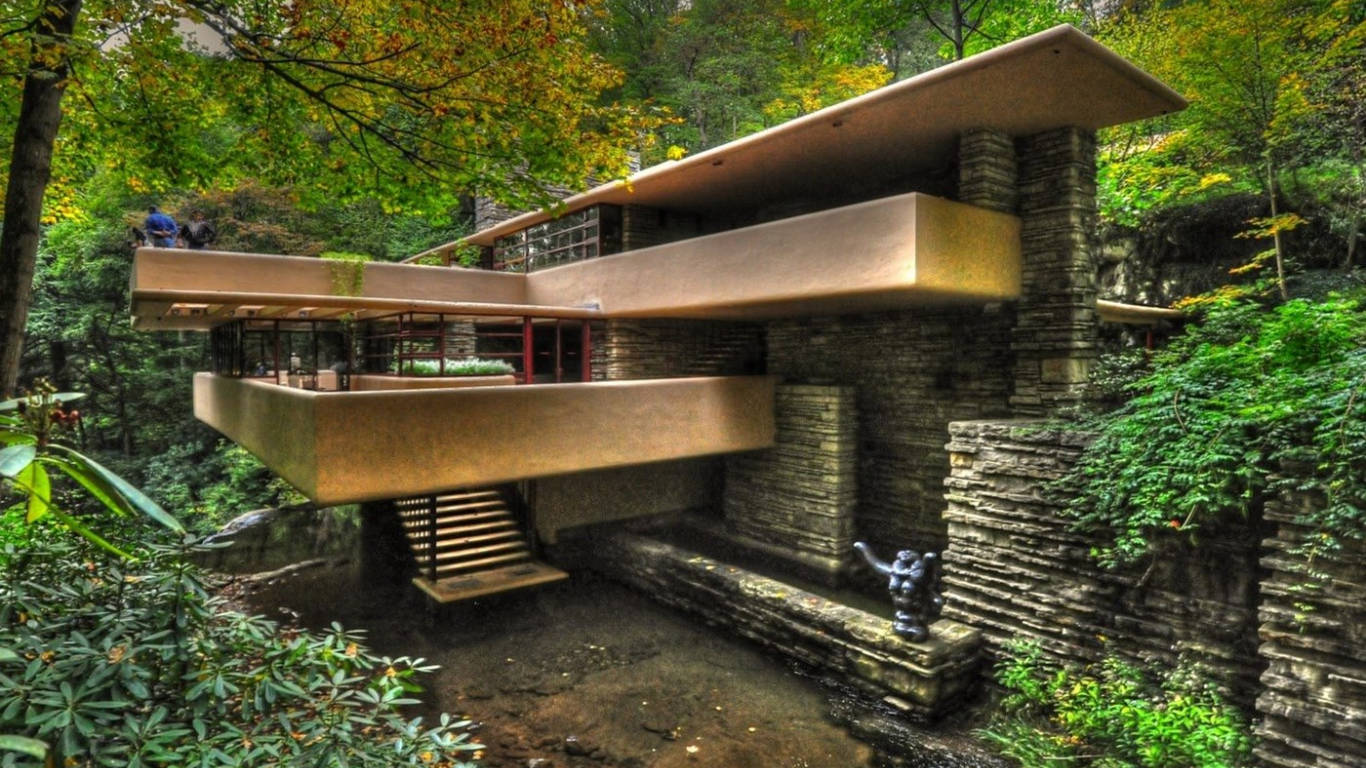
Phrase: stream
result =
(584, 672)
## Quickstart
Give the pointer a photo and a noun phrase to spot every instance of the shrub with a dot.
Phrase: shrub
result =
(1244, 397)
(131, 663)
(1110, 716)
(470, 366)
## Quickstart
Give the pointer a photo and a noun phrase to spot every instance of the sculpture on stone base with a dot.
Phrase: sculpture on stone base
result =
(914, 586)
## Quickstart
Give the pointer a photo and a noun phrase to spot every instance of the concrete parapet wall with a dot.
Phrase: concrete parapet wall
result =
(363, 382)
(1015, 569)
(339, 447)
(928, 679)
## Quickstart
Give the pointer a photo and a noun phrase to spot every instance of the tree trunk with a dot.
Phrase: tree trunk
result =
(958, 44)
(40, 114)
(1352, 233)
(1276, 230)
(56, 355)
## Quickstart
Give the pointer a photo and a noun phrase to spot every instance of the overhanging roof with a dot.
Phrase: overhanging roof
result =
(1059, 77)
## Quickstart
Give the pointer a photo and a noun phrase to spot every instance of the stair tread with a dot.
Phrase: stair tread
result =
(470, 565)
(474, 504)
(444, 527)
(461, 541)
(486, 515)
(420, 546)
(461, 529)
(449, 556)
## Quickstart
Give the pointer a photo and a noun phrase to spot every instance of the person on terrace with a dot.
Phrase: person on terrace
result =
(199, 232)
(160, 228)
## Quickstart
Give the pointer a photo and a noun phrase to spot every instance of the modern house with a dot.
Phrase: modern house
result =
(774, 333)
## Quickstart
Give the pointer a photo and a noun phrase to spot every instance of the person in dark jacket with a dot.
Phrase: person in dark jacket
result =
(160, 228)
(199, 232)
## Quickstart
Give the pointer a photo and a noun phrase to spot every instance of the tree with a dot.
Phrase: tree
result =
(412, 100)
(726, 69)
(1265, 80)
(924, 32)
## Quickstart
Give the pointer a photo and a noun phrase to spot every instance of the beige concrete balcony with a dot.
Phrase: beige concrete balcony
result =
(339, 447)
(196, 290)
(884, 254)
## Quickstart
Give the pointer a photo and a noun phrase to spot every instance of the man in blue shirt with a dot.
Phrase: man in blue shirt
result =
(161, 229)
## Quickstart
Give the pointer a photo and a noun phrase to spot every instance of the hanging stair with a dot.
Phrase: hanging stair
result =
(469, 544)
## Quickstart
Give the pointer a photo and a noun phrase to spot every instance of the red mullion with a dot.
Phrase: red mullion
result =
(528, 348)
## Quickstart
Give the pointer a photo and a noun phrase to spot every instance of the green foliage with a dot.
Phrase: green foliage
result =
(466, 255)
(1275, 89)
(339, 101)
(347, 270)
(133, 664)
(212, 486)
(31, 429)
(725, 69)
(137, 417)
(1244, 395)
(469, 366)
(1113, 376)
(1110, 716)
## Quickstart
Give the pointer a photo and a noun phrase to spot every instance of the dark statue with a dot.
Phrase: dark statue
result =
(914, 584)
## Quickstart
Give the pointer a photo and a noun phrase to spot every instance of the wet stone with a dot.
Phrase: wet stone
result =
(658, 725)
(577, 747)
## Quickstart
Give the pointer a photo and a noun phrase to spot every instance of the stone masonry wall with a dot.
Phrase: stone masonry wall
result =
(924, 680)
(800, 495)
(460, 339)
(987, 170)
(1313, 699)
(642, 227)
(1015, 570)
(488, 213)
(1055, 337)
(914, 372)
(656, 349)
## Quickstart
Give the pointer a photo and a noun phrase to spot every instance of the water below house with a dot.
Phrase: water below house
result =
(588, 673)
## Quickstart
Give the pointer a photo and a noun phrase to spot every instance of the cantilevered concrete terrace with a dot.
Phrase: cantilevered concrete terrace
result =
(887, 253)
(340, 447)
(845, 210)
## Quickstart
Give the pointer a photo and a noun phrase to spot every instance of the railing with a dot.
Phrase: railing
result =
(326, 354)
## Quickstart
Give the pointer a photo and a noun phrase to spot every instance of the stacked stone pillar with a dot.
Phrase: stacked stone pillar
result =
(988, 173)
(797, 499)
(1055, 332)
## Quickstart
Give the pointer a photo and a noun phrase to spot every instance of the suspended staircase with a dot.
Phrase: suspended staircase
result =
(469, 544)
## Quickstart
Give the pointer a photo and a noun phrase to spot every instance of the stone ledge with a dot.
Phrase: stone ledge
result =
(934, 678)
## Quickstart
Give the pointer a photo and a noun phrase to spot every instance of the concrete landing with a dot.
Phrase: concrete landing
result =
(491, 582)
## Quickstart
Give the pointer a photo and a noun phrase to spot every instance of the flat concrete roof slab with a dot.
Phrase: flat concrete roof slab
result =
(1056, 78)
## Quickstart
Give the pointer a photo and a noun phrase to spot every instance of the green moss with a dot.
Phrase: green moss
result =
(348, 271)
